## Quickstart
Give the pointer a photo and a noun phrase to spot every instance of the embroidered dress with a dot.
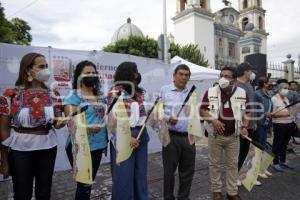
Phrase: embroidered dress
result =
(29, 109)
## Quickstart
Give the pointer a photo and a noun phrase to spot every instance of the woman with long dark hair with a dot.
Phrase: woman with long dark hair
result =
(130, 177)
(27, 118)
(86, 91)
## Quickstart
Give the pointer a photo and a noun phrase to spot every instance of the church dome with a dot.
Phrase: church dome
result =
(127, 30)
(249, 27)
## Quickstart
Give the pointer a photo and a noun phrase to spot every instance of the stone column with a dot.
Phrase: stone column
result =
(289, 66)
(177, 6)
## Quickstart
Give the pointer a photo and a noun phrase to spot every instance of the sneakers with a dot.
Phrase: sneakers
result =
(263, 175)
(291, 150)
(296, 141)
(286, 165)
(278, 168)
(257, 183)
(269, 174)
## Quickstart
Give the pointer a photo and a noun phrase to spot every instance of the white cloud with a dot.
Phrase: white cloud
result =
(90, 24)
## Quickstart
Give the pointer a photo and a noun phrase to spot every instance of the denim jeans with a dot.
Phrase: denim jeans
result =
(262, 133)
(130, 177)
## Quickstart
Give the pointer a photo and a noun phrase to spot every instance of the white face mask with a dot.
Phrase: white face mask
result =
(223, 83)
(252, 76)
(43, 75)
(284, 92)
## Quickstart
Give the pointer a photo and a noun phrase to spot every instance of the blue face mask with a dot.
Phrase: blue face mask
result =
(284, 92)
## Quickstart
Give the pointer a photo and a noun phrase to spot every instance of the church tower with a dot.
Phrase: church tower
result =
(252, 23)
(194, 24)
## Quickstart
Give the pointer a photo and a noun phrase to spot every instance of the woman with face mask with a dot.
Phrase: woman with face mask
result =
(86, 91)
(129, 178)
(28, 115)
(283, 126)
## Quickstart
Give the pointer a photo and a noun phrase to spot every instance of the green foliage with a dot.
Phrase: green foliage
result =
(147, 47)
(21, 31)
(192, 53)
(138, 46)
(15, 31)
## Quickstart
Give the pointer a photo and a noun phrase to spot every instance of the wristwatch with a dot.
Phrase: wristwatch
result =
(246, 127)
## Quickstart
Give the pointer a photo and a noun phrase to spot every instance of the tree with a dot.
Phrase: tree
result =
(5, 28)
(134, 45)
(147, 47)
(15, 31)
(21, 31)
(189, 52)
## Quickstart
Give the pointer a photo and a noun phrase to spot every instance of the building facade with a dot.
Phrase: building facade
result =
(224, 37)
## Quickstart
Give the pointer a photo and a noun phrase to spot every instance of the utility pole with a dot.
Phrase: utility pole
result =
(166, 59)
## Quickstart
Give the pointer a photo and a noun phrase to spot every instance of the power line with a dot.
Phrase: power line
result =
(25, 7)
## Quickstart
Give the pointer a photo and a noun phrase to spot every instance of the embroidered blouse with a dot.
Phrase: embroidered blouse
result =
(29, 109)
(135, 109)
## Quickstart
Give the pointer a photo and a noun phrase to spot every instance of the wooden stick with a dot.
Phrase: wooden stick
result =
(186, 99)
(290, 105)
(149, 113)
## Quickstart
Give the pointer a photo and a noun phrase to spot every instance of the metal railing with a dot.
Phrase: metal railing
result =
(279, 70)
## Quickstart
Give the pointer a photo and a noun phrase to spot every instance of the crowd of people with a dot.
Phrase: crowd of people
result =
(238, 106)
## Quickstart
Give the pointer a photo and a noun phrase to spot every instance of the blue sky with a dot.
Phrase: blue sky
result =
(90, 24)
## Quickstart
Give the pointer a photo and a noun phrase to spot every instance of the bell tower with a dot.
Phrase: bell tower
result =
(253, 12)
(184, 4)
(252, 23)
(194, 24)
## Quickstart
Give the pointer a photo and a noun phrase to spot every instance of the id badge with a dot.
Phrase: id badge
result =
(226, 105)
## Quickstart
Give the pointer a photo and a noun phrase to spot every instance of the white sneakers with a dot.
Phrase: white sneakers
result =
(263, 175)
(257, 183)
(239, 183)
(266, 174)
(269, 174)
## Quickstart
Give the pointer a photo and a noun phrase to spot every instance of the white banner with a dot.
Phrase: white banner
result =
(62, 63)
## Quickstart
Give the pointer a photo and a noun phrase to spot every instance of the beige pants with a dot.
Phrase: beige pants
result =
(230, 145)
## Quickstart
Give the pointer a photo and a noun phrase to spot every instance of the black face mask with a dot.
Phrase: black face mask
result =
(90, 81)
(138, 79)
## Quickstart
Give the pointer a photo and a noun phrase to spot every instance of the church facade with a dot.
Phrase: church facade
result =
(224, 37)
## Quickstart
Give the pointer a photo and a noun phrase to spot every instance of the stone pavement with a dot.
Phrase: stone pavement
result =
(282, 186)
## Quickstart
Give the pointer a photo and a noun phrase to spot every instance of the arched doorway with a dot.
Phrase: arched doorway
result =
(244, 23)
(260, 23)
(245, 4)
(258, 3)
(182, 5)
(204, 4)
